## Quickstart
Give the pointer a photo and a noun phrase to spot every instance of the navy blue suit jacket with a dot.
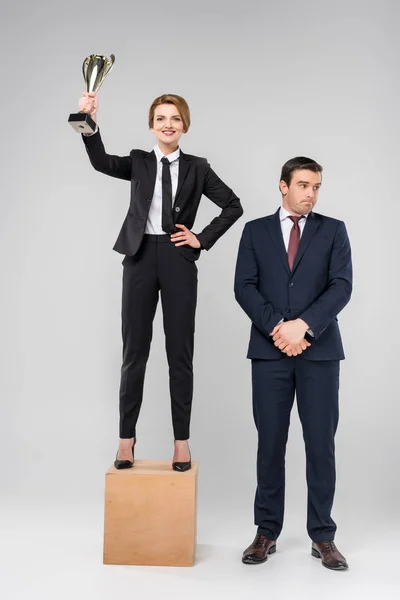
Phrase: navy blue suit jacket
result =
(316, 290)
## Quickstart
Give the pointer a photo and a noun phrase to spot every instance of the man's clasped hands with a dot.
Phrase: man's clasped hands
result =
(288, 336)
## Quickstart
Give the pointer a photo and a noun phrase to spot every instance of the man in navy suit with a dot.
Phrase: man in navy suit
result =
(293, 277)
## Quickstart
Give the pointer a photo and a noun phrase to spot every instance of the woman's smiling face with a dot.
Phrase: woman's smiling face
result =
(167, 125)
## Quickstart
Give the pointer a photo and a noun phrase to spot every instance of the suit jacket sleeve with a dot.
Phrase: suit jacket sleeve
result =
(115, 166)
(261, 312)
(337, 294)
(219, 193)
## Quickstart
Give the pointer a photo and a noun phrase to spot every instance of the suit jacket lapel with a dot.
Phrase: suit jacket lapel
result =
(275, 231)
(310, 229)
(150, 180)
(184, 164)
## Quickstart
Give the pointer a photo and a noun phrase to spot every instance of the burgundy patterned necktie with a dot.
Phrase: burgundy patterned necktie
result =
(294, 241)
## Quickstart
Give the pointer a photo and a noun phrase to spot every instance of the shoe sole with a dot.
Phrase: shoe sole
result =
(316, 554)
(119, 467)
(174, 468)
(247, 561)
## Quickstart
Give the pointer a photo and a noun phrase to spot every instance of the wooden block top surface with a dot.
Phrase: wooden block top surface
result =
(153, 467)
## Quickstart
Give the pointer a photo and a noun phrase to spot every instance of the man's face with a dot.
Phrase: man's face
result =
(167, 124)
(300, 197)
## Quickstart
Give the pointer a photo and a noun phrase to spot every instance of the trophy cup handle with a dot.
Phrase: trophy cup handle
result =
(85, 67)
(110, 64)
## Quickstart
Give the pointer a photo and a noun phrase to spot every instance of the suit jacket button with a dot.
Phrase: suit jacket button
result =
(291, 284)
(177, 209)
(148, 199)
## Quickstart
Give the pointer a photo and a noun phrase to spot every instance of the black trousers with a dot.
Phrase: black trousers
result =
(316, 384)
(158, 267)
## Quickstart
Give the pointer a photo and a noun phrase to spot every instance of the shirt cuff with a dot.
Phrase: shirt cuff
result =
(90, 134)
(279, 322)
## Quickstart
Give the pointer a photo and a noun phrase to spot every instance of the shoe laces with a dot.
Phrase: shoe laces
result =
(329, 546)
(258, 541)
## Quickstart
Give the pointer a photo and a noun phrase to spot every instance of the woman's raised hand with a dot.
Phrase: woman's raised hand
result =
(88, 104)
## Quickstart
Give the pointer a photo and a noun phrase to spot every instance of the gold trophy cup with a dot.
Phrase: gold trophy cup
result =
(95, 69)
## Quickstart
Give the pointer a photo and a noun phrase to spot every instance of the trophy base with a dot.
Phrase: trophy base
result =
(82, 123)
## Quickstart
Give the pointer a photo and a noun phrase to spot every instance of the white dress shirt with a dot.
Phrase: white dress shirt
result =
(154, 219)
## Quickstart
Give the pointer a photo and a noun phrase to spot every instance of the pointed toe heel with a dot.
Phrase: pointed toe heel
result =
(125, 464)
(182, 466)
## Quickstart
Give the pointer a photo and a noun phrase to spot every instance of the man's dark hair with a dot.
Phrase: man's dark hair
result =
(294, 164)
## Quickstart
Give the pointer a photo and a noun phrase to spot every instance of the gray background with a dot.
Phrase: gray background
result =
(265, 81)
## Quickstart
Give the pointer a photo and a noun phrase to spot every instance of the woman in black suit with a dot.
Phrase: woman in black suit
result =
(160, 253)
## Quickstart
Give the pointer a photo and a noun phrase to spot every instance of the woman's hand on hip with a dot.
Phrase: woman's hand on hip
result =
(185, 237)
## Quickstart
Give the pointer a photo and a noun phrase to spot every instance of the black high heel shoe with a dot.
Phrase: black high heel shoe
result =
(182, 466)
(125, 464)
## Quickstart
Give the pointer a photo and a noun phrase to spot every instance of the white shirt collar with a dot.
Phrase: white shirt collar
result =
(171, 157)
(284, 214)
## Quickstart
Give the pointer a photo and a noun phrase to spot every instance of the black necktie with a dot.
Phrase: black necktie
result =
(166, 220)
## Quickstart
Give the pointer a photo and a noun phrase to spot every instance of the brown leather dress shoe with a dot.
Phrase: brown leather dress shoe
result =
(258, 551)
(330, 556)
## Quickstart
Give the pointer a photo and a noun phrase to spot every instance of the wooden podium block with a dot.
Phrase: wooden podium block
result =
(150, 515)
